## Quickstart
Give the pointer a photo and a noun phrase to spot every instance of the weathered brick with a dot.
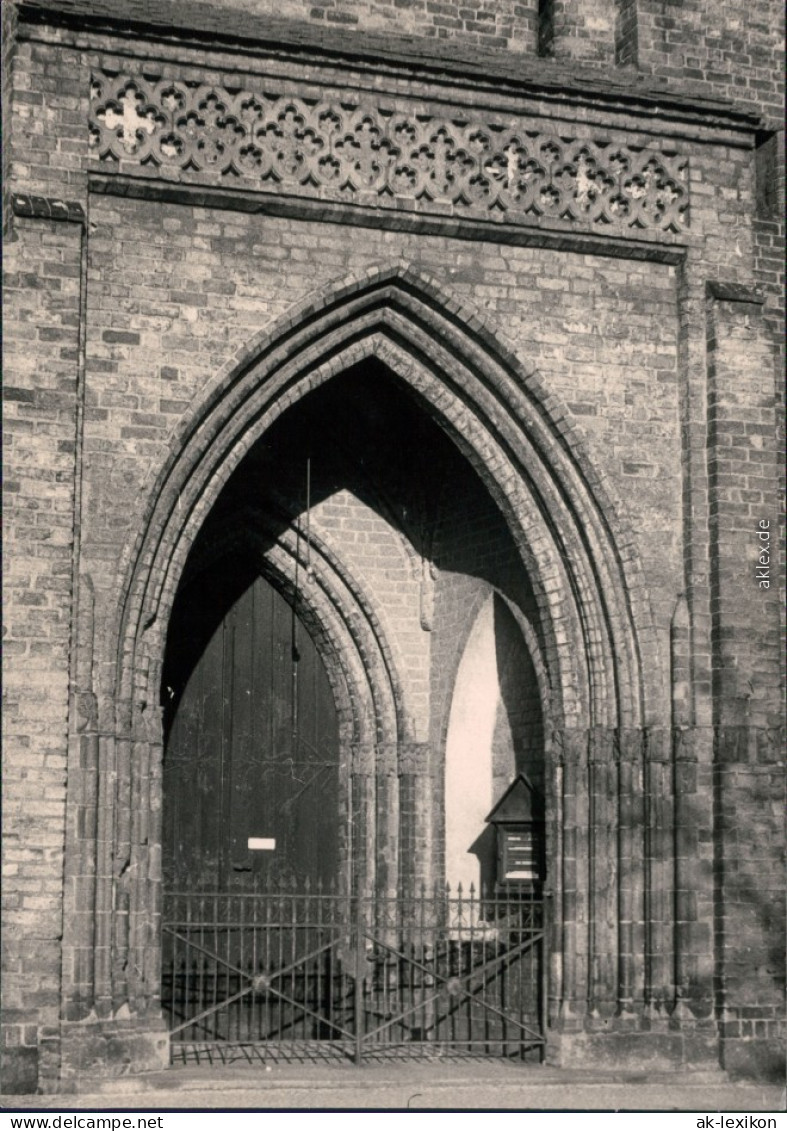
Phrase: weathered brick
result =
(669, 386)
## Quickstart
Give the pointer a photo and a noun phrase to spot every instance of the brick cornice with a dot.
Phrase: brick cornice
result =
(556, 234)
(430, 61)
(734, 292)
(47, 208)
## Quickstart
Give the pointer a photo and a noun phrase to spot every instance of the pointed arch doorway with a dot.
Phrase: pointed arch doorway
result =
(589, 615)
(264, 806)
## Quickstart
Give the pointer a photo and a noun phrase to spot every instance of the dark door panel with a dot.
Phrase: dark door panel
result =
(252, 742)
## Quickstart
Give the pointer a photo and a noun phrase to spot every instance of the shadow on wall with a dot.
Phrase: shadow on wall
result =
(495, 732)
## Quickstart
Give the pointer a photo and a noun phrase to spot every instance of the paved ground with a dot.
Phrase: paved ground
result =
(417, 1086)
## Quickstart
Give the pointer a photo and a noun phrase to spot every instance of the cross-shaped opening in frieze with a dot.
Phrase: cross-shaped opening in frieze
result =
(129, 118)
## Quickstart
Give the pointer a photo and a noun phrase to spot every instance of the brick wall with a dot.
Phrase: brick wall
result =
(580, 30)
(748, 780)
(41, 334)
(175, 289)
(376, 549)
(722, 48)
(750, 862)
(736, 50)
(490, 24)
(48, 147)
(743, 497)
(503, 24)
(8, 33)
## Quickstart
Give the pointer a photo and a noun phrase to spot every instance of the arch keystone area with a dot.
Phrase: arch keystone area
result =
(517, 436)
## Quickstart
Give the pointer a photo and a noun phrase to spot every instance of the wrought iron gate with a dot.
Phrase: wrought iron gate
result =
(296, 976)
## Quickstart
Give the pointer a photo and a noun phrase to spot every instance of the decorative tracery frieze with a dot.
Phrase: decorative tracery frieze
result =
(344, 150)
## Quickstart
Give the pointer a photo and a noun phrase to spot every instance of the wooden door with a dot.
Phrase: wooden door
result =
(252, 747)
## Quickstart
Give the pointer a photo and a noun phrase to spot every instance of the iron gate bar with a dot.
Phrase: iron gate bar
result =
(438, 977)
(315, 1001)
(467, 994)
(235, 969)
(299, 1005)
(471, 996)
(203, 950)
(251, 988)
(310, 1013)
(222, 962)
(207, 1012)
(305, 958)
(293, 966)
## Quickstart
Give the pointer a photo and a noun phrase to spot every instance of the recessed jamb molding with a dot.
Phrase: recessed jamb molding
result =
(359, 149)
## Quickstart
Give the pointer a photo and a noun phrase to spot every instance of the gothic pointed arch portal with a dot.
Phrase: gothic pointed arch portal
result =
(398, 532)
(463, 422)
(579, 557)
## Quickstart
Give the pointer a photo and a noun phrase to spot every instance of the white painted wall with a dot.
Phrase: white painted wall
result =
(468, 758)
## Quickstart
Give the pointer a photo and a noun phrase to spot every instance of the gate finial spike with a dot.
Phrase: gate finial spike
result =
(307, 885)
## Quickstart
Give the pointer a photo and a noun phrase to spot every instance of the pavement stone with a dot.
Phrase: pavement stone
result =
(414, 1086)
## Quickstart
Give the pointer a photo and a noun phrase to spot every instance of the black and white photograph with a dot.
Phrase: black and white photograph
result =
(393, 588)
